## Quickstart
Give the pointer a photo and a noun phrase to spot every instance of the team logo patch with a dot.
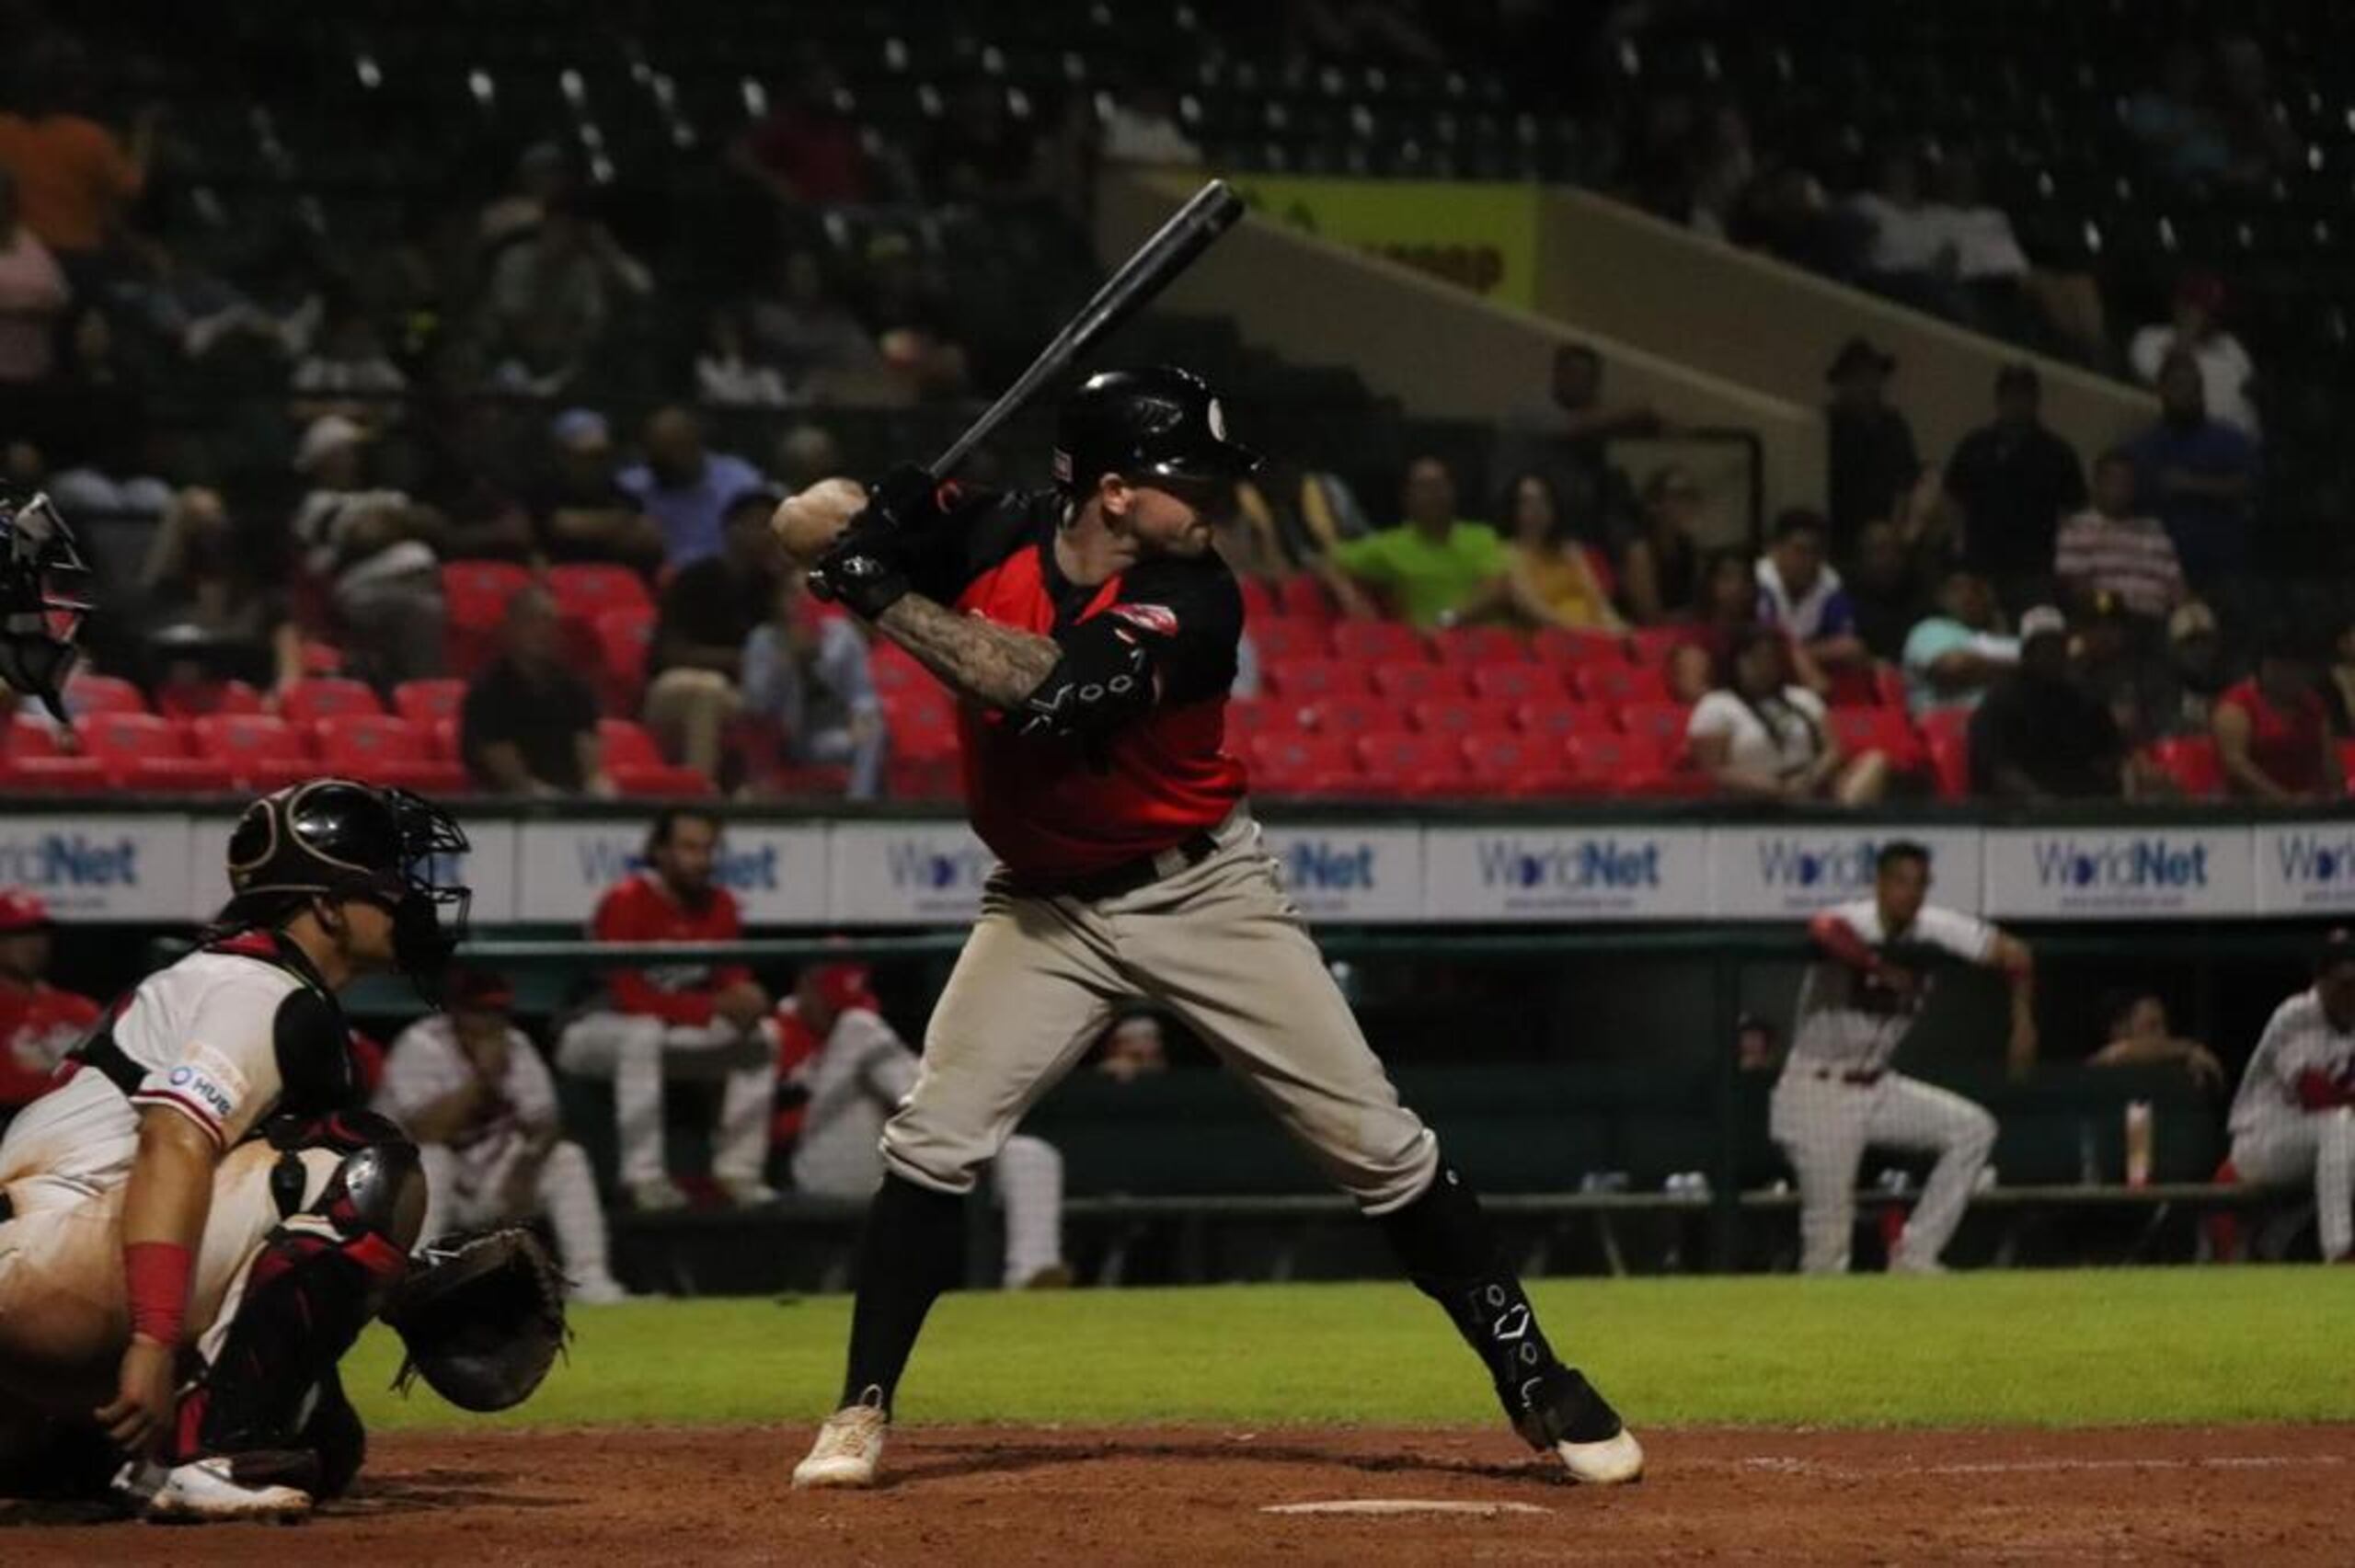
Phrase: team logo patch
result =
(1158, 619)
(210, 1079)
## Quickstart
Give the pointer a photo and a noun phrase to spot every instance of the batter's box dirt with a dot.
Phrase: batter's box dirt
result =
(1198, 1497)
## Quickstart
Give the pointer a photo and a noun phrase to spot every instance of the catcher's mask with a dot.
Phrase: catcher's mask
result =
(341, 838)
(40, 619)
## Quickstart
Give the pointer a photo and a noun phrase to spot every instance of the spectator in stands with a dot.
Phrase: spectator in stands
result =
(347, 373)
(1762, 735)
(806, 152)
(1134, 1047)
(1786, 214)
(1143, 128)
(856, 1070)
(2113, 547)
(33, 294)
(211, 614)
(912, 319)
(74, 177)
(2175, 121)
(679, 1020)
(1575, 452)
(473, 1095)
(528, 726)
(2200, 474)
(2118, 665)
(2257, 134)
(1434, 568)
(805, 329)
(977, 151)
(561, 286)
(1872, 461)
(2273, 731)
(375, 551)
(686, 488)
(2195, 325)
(1555, 581)
(580, 510)
(1886, 590)
(1726, 164)
(2014, 481)
(1729, 609)
(1912, 255)
(808, 674)
(1952, 657)
(726, 378)
(38, 1022)
(1663, 565)
(1249, 536)
(709, 611)
(2293, 1119)
(2137, 1034)
(1802, 597)
(543, 174)
(2197, 672)
(806, 453)
(2039, 736)
(1990, 271)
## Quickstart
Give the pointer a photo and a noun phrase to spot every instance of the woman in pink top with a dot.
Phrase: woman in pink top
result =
(32, 292)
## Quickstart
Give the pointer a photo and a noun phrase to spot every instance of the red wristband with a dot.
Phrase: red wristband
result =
(155, 1276)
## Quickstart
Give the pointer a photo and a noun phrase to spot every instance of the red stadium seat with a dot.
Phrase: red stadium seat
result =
(583, 591)
(321, 659)
(261, 751)
(380, 749)
(1609, 764)
(103, 694)
(31, 736)
(140, 752)
(1248, 716)
(622, 638)
(1462, 715)
(2192, 762)
(1288, 639)
(194, 699)
(1414, 765)
(1303, 596)
(1652, 645)
(1258, 603)
(1379, 642)
(1349, 713)
(1522, 682)
(1576, 650)
(56, 775)
(423, 702)
(938, 778)
(307, 702)
(1621, 684)
(1304, 762)
(1521, 766)
(1409, 681)
(1663, 723)
(2347, 764)
(1481, 646)
(475, 596)
(1949, 747)
(1882, 729)
(1305, 680)
(1559, 717)
(922, 720)
(635, 763)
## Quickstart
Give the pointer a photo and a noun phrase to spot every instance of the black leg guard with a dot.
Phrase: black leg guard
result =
(911, 1250)
(1452, 1254)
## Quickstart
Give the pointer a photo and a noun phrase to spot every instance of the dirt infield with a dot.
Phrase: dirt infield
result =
(1196, 1496)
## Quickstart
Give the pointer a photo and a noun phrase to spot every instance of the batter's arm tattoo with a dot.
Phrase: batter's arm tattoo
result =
(989, 663)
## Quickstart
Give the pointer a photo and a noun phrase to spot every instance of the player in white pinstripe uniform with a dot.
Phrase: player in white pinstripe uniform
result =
(861, 1071)
(469, 1087)
(2293, 1119)
(1837, 1095)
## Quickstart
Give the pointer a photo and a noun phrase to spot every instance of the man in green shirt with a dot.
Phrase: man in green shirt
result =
(1434, 568)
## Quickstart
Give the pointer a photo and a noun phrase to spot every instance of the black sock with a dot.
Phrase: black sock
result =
(1452, 1257)
(911, 1250)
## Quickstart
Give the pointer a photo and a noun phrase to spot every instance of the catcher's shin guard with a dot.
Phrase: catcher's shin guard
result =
(317, 1280)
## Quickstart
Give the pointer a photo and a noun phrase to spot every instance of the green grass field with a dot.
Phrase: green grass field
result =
(2107, 1348)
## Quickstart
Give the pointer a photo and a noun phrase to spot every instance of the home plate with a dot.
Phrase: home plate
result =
(1403, 1506)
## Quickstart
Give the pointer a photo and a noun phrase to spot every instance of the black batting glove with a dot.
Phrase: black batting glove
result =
(863, 574)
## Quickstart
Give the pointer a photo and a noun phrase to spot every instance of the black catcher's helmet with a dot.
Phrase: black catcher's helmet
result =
(336, 838)
(39, 620)
(1155, 423)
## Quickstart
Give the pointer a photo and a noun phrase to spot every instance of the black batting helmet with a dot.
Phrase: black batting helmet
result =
(39, 621)
(341, 838)
(1155, 423)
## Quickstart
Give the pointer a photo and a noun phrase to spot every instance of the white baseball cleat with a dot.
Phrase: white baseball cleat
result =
(598, 1290)
(656, 1195)
(749, 1191)
(204, 1491)
(1614, 1461)
(848, 1449)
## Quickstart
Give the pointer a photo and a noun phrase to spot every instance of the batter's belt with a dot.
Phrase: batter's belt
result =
(1126, 877)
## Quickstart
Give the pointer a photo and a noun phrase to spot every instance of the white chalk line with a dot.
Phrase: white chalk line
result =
(1790, 1465)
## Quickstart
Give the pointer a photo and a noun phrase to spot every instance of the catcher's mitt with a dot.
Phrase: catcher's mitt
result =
(482, 1318)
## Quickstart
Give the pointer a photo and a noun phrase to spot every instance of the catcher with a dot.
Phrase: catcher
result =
(198, 1218)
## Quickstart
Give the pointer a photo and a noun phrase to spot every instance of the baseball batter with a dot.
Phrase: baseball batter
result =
(2293, 1119)
(196, 1223)
(1837, 1095)
(1090, 632)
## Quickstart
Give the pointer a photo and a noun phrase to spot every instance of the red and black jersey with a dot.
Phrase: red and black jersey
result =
(38, 1025)
(1054, 806)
